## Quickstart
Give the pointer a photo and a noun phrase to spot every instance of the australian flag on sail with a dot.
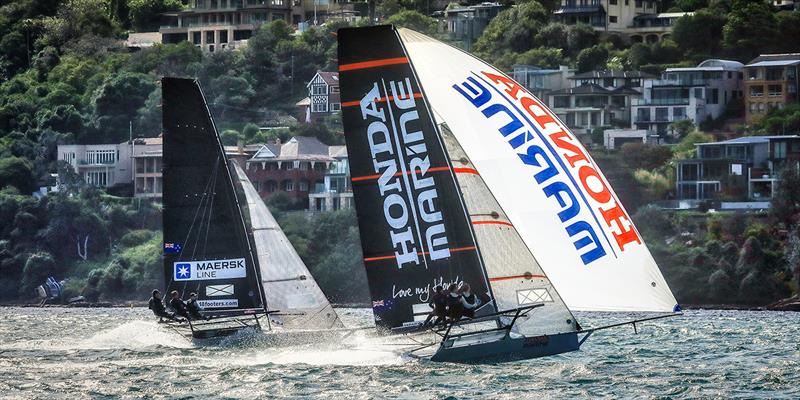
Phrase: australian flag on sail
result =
(172, 248)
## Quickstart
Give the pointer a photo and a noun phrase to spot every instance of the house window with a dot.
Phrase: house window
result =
(698, 93)
(752, 107)
(714, 98)
(774, 74)
(608, 82)
(561, 101)
(319, 107)
(288, 186)
(336, 107)
(779, 150)
(612, 2)
(303, 166)
(775, 90)
(662, 114)
(612, 19)
(334, 89)
(638, 3)
(679, 113)
(303, 186)
(756, 91)
(318, 89)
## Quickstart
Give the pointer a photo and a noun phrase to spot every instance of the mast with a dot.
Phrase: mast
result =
(207, 247)
(415, 231)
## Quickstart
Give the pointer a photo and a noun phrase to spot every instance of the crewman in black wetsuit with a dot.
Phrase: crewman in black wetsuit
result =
(193, 308)
(469, 301)
(455, 308)
(158, 309)
(439, 305)
(178, 305)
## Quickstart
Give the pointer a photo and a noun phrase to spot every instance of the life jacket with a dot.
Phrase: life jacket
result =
(471, 300)
(454, 307)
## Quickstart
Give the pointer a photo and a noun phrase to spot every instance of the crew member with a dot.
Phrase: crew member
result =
(158, 308)
(178, 305)
(455, 309)
(439, 305)
(469, 301)
(193, 308)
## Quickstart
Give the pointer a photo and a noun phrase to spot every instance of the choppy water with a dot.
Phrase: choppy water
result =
(110, 353)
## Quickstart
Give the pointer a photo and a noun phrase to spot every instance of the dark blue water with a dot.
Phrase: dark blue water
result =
(111, 353)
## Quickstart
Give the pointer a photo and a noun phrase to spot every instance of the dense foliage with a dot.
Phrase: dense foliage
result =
(66, 77)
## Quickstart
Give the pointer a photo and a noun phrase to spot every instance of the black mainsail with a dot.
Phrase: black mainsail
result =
(415, 232)
(207, 248)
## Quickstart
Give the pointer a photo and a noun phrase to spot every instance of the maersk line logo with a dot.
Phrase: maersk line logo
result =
(210, 269)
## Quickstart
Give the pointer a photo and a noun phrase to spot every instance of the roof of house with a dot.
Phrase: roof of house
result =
(337, 151)
(773, 60)
(751, 139)
(331, 78)
(612, 74)
(305, 102)
(143, 39)
(725, 64)
(297, 148)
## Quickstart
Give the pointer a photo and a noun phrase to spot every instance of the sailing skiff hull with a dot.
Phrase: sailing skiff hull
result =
(506, 348)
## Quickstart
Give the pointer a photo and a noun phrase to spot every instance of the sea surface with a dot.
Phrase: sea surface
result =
(122, 353)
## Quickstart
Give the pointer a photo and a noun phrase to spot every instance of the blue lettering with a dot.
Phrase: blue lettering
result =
(592, 254)
(567, 213)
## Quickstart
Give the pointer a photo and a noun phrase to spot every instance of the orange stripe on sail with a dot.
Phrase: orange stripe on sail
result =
(422, 253)
(380, 100)
(373, 64)
(504, 278)
(376, 176)
(489, 222)
(466, 171)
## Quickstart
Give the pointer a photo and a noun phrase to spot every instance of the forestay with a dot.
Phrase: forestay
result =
(288, 285)
(543, 179)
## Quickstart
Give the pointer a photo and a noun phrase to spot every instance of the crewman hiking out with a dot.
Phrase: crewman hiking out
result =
(178, 305)
(194, 309)
(157, 306)
(439, 305)
(469, 300)
(455, 308)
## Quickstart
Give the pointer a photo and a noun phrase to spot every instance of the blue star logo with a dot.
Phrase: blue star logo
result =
(183, 271)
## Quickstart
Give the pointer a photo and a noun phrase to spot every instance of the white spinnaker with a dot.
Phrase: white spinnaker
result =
(625, 278)
(288, 285)
(516, 278)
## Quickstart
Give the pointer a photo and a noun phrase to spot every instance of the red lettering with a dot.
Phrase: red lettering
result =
(603, 195)
(627, 234)
(560, 139)
(512, 88)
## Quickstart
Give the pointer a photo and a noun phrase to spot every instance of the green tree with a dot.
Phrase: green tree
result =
(512, 30)
(681, 128)
(786, 201)
(117, 102)
(750, 25)
(543, 57)
(231, 137)
(17, 172)
(592, 58)
(38, 268)
(145, 14)
(413, 20)
(699, 33)
(645, 156)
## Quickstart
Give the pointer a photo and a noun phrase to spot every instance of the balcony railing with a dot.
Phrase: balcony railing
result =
(681, 82)
(661, 102)
(95, 162)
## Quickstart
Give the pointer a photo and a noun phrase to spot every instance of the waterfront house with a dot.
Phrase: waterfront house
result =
(597, 99)
(336, 191)
(771, 81)
(741, 169)
(466, 24)
(694, 94)
(323, 98)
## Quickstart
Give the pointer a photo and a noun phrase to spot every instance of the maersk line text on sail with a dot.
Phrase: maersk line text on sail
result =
(519, 116)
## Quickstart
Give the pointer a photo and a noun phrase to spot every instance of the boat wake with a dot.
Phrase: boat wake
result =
(134, 335)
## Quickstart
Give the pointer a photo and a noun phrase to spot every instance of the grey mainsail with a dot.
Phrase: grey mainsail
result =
(288, 285)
